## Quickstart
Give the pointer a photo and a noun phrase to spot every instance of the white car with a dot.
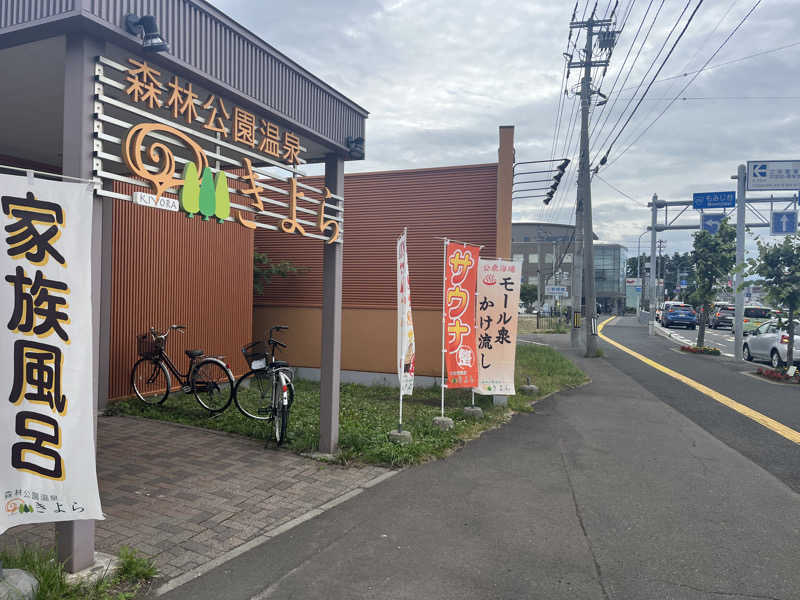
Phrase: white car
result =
(769, 342)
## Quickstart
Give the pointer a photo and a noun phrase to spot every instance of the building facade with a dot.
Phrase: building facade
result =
(546, 252)
(609, 277)
(467, 203)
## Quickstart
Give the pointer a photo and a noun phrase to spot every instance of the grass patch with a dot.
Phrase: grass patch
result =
(546, 325)
(368, 413)
(126, 583)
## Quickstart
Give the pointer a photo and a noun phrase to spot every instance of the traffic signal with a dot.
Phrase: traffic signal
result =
(560, 169)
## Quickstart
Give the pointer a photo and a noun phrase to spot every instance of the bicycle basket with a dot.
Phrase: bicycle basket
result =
(256, 355)
(147, 346)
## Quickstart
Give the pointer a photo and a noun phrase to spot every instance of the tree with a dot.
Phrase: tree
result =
(264, 270)
(776, 269)
(528, 294)
(713, 255)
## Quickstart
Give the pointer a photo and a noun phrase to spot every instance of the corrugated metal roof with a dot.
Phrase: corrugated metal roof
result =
(206, 41)
(455, 202)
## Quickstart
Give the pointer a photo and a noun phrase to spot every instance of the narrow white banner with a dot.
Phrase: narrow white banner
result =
(405, 326)
(47, 450)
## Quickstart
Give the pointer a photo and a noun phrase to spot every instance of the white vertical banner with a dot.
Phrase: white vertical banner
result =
(47, 447)
(405, 326)
(497, 322)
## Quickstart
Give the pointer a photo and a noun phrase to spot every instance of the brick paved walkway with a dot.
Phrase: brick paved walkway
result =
(186, 496)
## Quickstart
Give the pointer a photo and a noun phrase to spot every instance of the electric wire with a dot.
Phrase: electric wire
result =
(649, 68)
(632, 65)
(710, 58)
(664, 62)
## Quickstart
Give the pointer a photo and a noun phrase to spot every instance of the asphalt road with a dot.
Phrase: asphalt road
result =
(732, 378)
(604, 492)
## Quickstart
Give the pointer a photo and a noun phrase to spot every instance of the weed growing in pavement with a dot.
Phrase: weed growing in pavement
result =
(368, 413)
(126, 583)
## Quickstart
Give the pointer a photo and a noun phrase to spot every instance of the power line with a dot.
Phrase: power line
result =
(619, 191)
(710, 58)
(630, 69)
(664, 62)
(723, 64)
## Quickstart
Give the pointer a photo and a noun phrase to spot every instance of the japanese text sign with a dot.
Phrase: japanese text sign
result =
(144, 85)
(461, 266)
(498, 308)
(47, 451)
(405, 327)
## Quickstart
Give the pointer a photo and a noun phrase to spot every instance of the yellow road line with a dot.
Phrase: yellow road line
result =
(779, 428)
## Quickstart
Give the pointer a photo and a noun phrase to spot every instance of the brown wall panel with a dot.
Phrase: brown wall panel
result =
(369, 337)
(168, 269)
(456, 202)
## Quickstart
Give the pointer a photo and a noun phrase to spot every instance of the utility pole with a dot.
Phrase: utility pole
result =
(651, 327)
(660, 263)
(583, 211)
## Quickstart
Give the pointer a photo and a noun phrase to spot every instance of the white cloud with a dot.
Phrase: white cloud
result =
(438, 77)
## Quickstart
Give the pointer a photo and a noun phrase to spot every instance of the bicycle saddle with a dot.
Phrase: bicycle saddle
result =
(279, 363)
(194, 353)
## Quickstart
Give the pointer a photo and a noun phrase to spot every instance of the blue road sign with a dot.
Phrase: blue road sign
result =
(711, 222)
(638, 288)
(714, 200)
(683, 283)
(783, 222)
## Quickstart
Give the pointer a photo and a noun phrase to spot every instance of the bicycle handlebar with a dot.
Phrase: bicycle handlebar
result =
(273, 342)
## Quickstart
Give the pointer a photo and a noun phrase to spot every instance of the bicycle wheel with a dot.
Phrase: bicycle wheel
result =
(212, 384)
(283, 399)
(150, 381)
(253, 394)
(281, 422)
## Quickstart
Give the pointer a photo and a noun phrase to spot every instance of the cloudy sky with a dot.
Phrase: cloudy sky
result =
(439, 77)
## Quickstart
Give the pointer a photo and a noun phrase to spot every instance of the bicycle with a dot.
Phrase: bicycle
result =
(208, 378)
(266, 391)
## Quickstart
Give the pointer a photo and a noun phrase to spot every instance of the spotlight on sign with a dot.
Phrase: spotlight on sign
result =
(146, 28)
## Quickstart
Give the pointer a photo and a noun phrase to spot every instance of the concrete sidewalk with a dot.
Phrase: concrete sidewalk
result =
(604, 492)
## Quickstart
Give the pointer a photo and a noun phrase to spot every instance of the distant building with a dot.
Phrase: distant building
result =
(546, 252)
(609, 276)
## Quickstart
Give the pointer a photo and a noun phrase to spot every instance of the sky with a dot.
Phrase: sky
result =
(438, 78)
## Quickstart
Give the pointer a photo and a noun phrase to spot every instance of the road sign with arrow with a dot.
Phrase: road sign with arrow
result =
(783, 222)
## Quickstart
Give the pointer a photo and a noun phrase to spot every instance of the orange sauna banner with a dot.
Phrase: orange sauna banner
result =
(461, 276)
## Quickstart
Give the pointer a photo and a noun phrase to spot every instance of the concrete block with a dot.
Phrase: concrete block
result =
(104, 566)
(500, 400)
(16, 584)
(443, 423)
(400, 437)
(473, 412)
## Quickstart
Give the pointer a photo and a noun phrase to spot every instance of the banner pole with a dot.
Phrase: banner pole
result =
(444, 315)
(400, 342)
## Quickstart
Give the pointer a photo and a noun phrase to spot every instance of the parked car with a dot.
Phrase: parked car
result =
(722, 317)
(755, 316)
(769, 342)
(662, 307)
(679, 314)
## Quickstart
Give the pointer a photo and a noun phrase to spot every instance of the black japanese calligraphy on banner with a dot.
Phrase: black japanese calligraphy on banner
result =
(497, 319)
(47, 455)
